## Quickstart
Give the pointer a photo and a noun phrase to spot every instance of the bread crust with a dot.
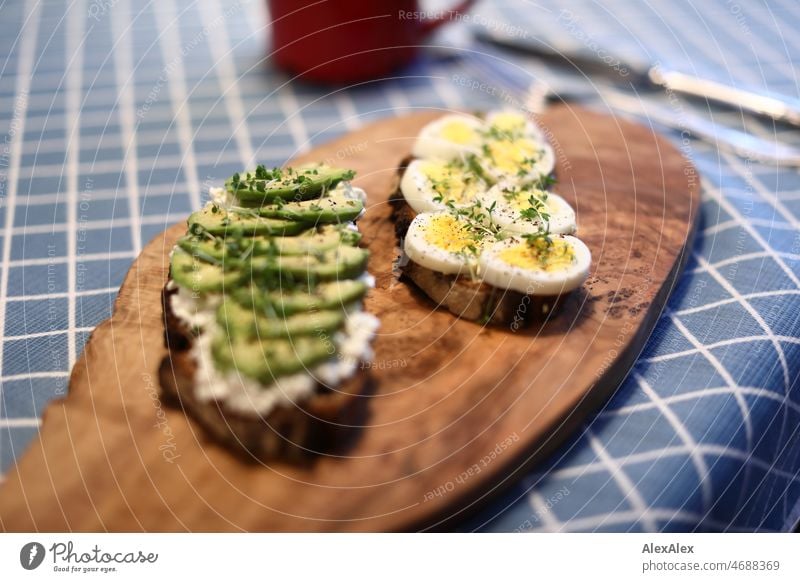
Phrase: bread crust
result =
(322, 424)
(463, 296)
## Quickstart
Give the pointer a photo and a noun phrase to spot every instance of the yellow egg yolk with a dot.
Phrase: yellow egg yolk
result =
(539, 257)
(444, 231)
(513, 156)
(451, 182)
(457, 132)
(508, 122)
(519, 200)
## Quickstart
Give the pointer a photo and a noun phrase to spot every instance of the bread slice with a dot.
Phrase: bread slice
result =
(463, 296)
(323, 424)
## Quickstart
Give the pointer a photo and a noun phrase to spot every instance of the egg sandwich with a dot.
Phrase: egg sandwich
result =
(481, 230)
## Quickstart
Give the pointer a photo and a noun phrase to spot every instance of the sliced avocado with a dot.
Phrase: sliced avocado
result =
(214, 249)
(288, 184)
(199, 276)
(251, 322)
(339, 263)
(216, 220)
(266, 360)
(347, 235)
(325, 296)
(334, 208)
(317, 240)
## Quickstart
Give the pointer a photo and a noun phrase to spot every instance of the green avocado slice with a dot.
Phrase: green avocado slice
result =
(332, 295)
(222, 248)
(266, 360)
(304, 182)
(200, 276)
(342, 262)
(332, 209)
(250, 322)
(216, 220)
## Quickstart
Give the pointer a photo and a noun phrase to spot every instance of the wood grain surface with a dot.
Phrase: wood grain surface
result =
(455, 411)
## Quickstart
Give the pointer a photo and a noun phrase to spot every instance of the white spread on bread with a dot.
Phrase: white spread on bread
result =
(248, 396)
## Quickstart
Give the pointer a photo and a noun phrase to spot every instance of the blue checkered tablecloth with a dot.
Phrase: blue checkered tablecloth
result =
(115, 116)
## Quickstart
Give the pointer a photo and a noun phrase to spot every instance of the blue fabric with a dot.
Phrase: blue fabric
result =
(114, 119)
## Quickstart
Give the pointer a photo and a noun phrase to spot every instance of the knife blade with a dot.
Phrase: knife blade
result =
(641, 74)
(515, 86)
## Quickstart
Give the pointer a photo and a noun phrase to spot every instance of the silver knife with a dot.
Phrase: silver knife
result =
(520, 89)
(761, 102)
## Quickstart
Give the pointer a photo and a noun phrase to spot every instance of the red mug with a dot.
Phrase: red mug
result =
(342, 41)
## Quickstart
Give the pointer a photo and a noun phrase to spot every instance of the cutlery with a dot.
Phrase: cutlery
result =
(643, 75)
(520, 89)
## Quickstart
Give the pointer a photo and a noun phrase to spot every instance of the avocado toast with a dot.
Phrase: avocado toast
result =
(263, 312)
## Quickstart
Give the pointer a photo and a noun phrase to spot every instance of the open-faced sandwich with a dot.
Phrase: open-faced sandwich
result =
(263, 311)
(481, 232)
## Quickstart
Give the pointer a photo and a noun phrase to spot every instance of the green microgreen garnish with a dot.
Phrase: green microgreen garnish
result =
(537, 210)
(263, 179)
(541, 245)
(497, 134)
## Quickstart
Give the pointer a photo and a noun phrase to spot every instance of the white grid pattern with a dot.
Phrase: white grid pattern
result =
(695, 451)
(225, 70)
(26, 62)
(170, 49)
(123, 65)
(75, 49)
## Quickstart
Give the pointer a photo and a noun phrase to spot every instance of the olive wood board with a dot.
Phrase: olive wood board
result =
(454, 411)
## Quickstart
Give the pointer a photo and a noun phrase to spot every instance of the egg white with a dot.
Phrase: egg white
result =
(509, 200)
(426, 242)
(428, 185)
(534, 281)
(449, 137)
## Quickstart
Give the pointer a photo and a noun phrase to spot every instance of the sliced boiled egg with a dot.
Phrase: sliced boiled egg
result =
(432, 184)
(442, 242)
(546, 265)
(525, 209)
(449, 137)
(520, 159)
(513, 123)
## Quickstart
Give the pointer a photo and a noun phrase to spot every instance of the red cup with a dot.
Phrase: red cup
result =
(342, 41)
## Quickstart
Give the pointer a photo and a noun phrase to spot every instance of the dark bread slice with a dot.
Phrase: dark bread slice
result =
(462, 296)
(322, 424)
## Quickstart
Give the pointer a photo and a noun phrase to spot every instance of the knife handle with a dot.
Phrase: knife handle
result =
(778, 107)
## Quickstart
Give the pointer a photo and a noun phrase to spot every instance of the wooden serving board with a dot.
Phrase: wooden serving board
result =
(455, 410)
